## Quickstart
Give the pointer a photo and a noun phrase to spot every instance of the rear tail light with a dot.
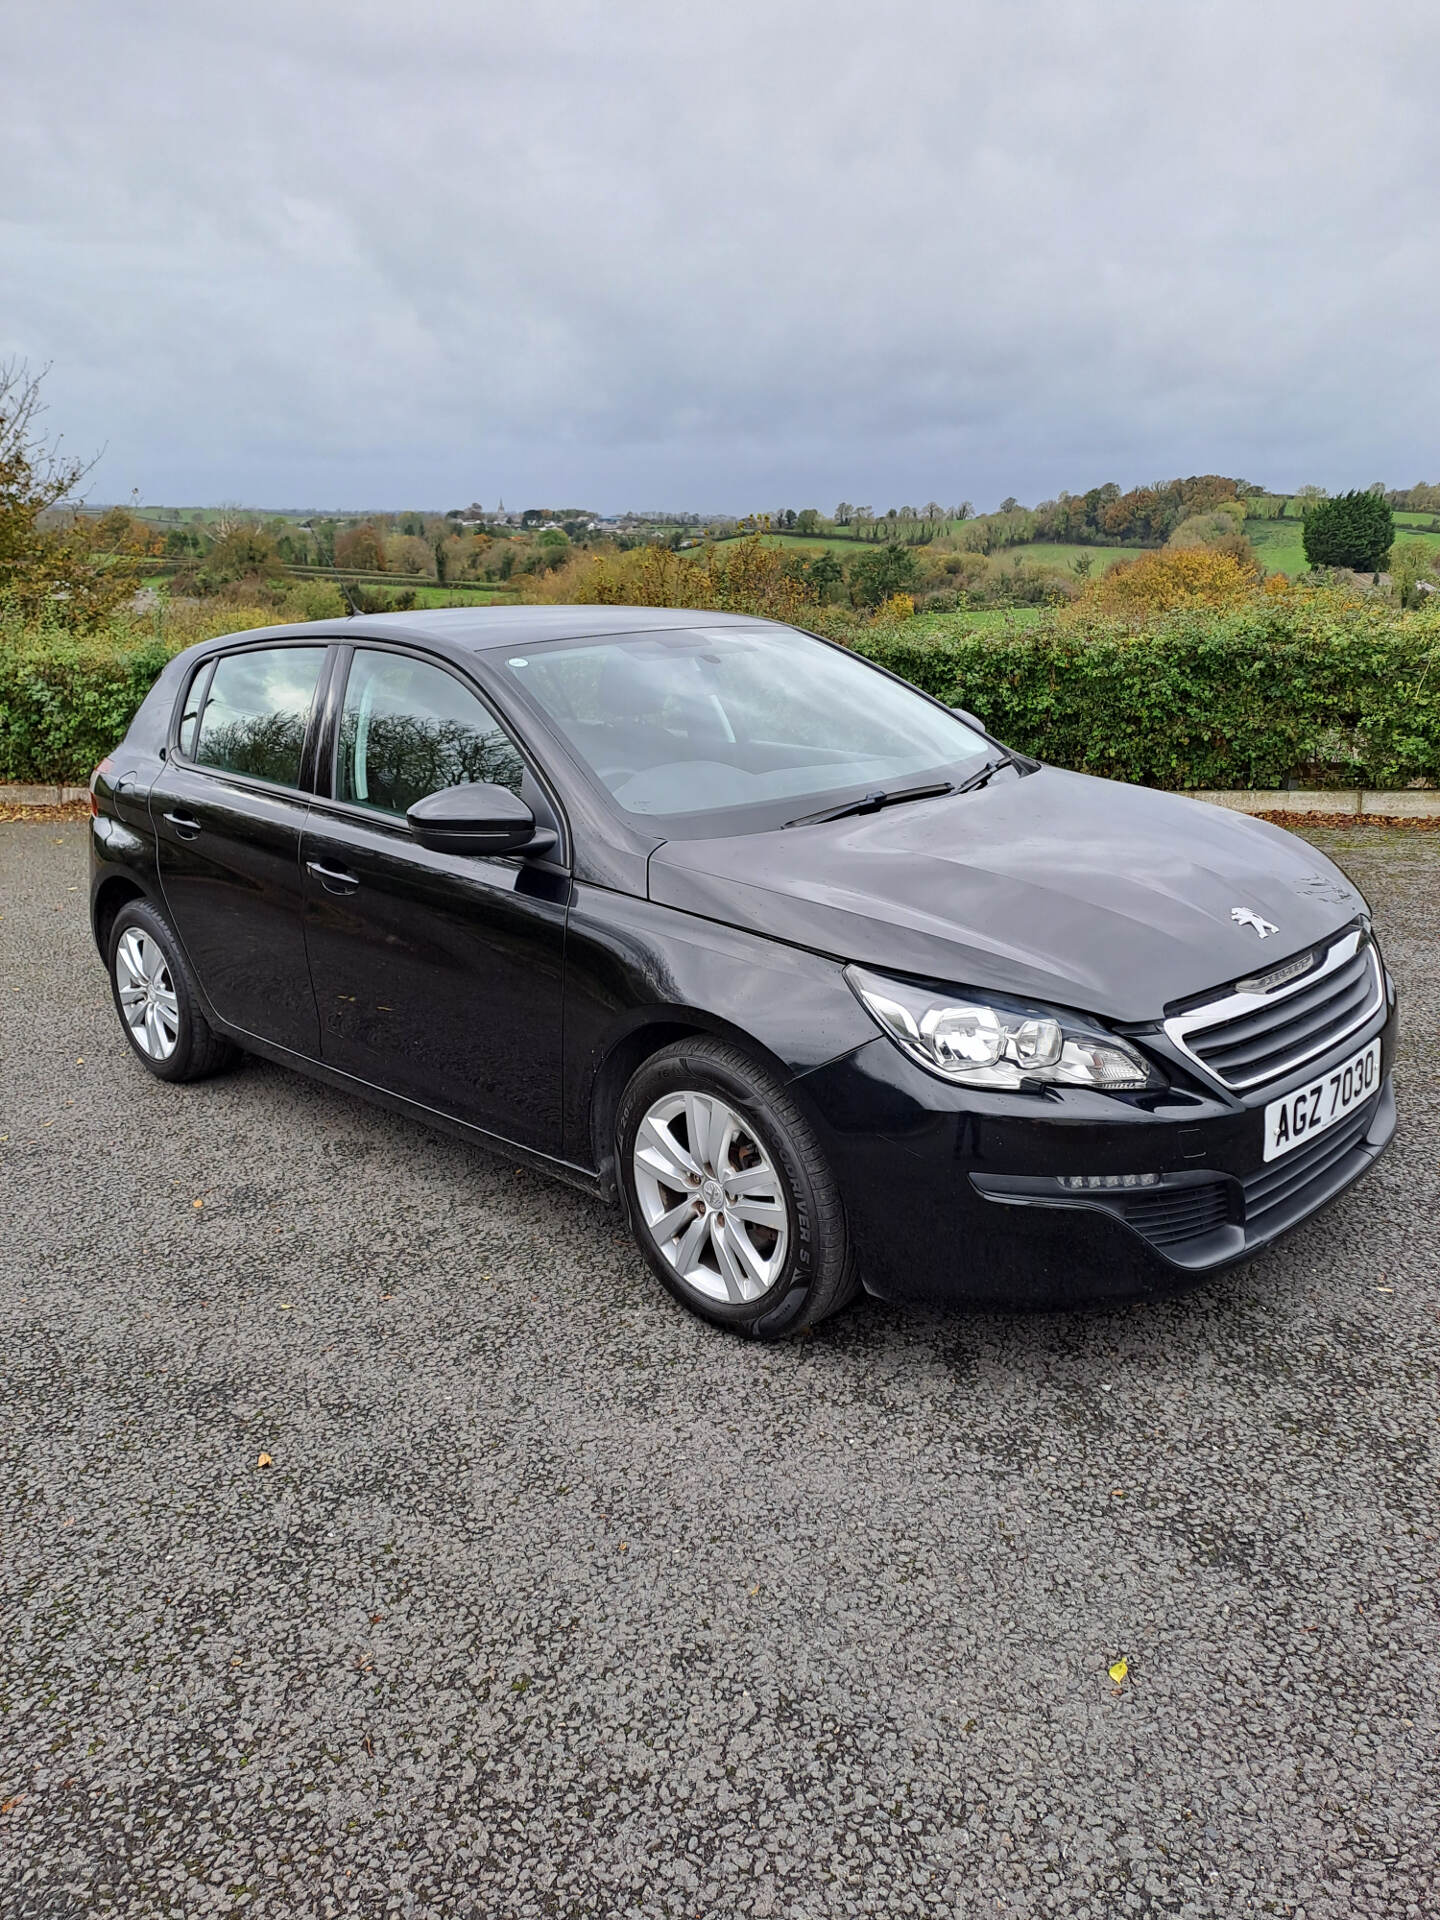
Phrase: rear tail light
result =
(105, 766)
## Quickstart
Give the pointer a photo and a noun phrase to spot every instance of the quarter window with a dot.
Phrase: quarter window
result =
(408, 729)
(256, 713)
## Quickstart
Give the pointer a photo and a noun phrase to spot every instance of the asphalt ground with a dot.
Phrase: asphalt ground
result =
(552, 1601)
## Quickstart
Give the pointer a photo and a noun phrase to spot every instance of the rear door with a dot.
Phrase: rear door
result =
(228, 809)
(438, 976)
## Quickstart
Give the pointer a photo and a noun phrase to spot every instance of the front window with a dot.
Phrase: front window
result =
(734, 729)
(408, 729)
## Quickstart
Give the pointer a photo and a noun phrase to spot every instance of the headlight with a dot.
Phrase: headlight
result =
(998, 1043)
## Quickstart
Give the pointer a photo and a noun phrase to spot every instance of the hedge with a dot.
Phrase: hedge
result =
(1323, 694)
(66, 699)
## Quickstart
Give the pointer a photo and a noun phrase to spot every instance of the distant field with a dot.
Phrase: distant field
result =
(427, 593)
(1055, 553)
(820, 543)
(1279, 543)
(471, 595)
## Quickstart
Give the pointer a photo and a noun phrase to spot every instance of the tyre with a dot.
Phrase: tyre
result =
(729, 1196)
(156, 999)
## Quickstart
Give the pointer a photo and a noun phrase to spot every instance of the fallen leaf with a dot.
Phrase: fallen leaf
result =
(264, 1461)
(1119, 1670)
(9, 1806)
(286, 1306)
(197, 1203)
(624, 1547)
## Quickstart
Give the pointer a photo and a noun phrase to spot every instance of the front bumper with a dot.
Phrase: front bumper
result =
(953, 1195)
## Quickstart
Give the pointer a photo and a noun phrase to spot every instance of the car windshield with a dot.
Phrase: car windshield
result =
(716, 730)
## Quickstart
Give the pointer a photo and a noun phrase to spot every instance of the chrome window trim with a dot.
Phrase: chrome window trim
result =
(1179, 1026)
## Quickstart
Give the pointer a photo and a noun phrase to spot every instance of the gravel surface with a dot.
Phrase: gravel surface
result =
(377, 1538)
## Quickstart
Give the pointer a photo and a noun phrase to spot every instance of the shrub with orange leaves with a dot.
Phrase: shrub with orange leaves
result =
(744, 576)
(1160, 582)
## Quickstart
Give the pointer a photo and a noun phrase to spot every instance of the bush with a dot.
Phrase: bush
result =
(66, 698)
(743, 576)
(1302, 686)
(1160, 582)
(1354, 530)
(882, 572)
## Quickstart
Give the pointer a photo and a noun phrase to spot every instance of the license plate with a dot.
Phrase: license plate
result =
(1290, 1122)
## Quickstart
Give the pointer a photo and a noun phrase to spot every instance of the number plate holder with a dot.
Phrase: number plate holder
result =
(1319, 1104)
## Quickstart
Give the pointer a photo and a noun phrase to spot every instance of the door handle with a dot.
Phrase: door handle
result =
(185, 824)
(332, 879)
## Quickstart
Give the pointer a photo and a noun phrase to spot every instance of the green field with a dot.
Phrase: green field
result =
(1279, 544)
(474, 593)
(1056, 553)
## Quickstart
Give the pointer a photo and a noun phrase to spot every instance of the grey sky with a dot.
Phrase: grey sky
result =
(621, 253)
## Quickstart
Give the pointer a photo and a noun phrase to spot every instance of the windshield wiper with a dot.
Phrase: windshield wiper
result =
(982, 774)
(873, 802)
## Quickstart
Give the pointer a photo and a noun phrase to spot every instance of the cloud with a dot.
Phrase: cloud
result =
(634, 254)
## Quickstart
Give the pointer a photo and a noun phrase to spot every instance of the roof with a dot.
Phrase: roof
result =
(482, 627)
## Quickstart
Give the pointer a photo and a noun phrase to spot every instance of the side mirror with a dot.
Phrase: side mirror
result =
(477, 818)
(964, 713)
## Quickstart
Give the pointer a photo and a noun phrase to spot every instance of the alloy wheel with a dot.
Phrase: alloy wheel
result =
(147, 995)
(711, 1197)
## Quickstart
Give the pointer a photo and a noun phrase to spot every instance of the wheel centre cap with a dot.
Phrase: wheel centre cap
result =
(713, 1194)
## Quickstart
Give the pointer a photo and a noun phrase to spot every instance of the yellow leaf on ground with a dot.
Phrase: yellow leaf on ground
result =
(1119, 1670)
(266, 1461)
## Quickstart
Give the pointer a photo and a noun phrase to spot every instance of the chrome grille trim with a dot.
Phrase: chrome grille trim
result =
(1234, 1008)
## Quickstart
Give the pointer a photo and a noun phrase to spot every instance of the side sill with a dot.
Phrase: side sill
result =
(581, 1178)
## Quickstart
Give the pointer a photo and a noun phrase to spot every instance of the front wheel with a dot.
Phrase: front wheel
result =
(729, 1196)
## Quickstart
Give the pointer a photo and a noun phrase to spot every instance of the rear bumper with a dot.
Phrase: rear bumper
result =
(954, 1197)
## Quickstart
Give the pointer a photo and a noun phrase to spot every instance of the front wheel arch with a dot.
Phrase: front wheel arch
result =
(629, 1053)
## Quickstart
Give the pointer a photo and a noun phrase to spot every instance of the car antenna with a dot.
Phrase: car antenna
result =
(347, 593)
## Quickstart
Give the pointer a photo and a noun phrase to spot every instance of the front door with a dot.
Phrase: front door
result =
(228, 813)
(438, 976)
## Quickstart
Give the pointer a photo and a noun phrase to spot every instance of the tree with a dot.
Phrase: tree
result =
(808, 520)
(1354, 530)
(843, 514)
(890, 569)
(359, 550)
(48, 559)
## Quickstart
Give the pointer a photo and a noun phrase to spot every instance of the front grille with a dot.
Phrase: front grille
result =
(1172, 1214)
(1282, 1181)
(1247, 1038)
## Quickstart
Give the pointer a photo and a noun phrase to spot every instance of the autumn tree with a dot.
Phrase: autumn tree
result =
(359, 550)
(50, 560)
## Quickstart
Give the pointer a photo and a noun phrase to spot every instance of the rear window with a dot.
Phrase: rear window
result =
(256, 713)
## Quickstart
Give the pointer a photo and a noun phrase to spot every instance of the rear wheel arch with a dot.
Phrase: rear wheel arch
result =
(112, 894)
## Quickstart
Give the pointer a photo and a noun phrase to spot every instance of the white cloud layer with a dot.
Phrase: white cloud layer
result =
(628, 253)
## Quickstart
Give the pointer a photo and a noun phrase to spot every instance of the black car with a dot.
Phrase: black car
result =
(706, 915)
